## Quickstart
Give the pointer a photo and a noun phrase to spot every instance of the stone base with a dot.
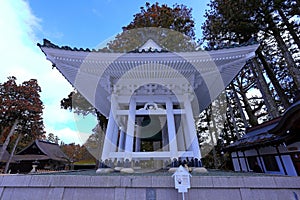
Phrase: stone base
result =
(114, 187)
(172, 169)
(104, 170)
(118, 169)
(127, 170)
(200, 170)
(137, 168)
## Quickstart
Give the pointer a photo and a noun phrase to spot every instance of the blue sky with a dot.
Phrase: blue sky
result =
(74, 23)
(88, 23)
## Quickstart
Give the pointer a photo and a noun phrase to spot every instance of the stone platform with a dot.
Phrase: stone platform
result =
(148, 187)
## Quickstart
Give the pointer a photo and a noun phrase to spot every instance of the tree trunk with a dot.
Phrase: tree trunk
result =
(232, 118)
(12, 153)
(5, 144)
(212, 138)
(274, 80)
(290, 27)
(252, 118)
(264, 89)
(237, 99)
(294, 71)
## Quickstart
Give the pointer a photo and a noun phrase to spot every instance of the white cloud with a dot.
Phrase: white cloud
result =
(53, 114)
(68, 135)
(20, 57)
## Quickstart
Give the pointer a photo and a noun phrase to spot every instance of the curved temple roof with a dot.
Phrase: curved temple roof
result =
(97, 74)
(272, 132)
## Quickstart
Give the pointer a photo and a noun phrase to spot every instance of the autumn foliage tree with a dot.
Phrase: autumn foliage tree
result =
(77, 152)
(177, 18)
(20, 112)
(170, 27)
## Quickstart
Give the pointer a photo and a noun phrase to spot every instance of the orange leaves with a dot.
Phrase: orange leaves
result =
(164, 16)
(177, 18)
(21, 102)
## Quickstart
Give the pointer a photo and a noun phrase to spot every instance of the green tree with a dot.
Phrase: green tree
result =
(235, 22)
(275, 71)
(51, 137)
(79, 105)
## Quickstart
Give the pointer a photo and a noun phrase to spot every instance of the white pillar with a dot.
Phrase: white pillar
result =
(186, 131)
(121, 141)
(180, 136)
(191, 127)
(130, 129)
(165, 140)
(114, 139)
(171, 130)
(138, 135)
(108, 137)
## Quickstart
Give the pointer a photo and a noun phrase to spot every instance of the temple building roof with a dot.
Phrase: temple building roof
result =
(41, 150)
(273, 132)
(97, 74)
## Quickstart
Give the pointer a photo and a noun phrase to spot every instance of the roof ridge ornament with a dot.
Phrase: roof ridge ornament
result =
(150, 45)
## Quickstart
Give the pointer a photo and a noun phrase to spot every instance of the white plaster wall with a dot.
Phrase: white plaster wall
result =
(243, 164)
(236, 164)
(289, 165)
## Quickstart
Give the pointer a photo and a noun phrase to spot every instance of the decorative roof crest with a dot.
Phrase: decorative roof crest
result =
(150, 45)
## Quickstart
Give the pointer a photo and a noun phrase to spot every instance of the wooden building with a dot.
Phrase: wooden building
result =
(273, 145)
(47, 155)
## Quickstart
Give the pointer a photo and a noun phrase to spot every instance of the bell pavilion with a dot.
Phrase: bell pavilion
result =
(150, 96)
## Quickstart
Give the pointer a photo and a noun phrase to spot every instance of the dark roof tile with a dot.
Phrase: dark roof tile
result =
(49, 149)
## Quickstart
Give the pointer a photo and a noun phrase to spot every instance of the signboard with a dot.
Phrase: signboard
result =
(182, 179)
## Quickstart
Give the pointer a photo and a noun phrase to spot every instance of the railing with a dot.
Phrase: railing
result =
(148, 155)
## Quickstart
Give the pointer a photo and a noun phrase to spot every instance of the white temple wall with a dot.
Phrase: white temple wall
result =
(243, 164)
(291, 171)
(236, 165)
(239, 163)
(235, 161)
(240, 154)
